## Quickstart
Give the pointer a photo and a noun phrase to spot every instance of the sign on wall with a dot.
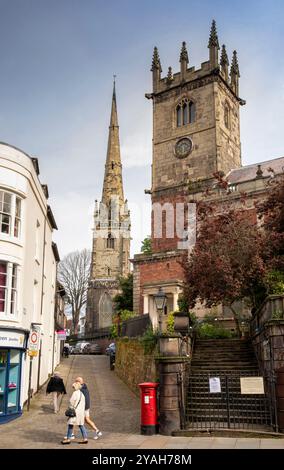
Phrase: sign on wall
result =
(12, 339)
(61, 334)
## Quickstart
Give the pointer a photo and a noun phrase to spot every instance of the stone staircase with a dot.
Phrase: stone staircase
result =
(228, 359)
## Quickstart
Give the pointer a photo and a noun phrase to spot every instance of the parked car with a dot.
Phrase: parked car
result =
(110, 349)
(92, 348)
(79, 347)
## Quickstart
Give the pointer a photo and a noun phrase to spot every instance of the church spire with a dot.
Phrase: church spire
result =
(113, 169)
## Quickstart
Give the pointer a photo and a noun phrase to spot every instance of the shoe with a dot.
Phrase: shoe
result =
(66, 441)
(70, 438)
(97, 434)
(85, 441)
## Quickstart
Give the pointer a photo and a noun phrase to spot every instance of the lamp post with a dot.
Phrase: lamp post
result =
(160, 301)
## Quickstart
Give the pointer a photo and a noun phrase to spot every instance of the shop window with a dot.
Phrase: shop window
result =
(10, 214)
(8, 289)
(10, 376)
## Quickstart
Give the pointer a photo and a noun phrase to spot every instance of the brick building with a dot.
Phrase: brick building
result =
(196, 133)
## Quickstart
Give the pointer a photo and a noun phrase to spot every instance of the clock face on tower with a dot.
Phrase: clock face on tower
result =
(183, 147)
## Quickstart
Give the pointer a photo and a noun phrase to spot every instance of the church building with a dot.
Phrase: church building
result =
(196, 135)
(111, 236)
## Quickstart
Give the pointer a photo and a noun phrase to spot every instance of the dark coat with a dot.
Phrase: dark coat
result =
(55, 385)
(86, 394)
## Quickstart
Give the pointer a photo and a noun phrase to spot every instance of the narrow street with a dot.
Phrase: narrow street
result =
(114, 407)
(115, 410)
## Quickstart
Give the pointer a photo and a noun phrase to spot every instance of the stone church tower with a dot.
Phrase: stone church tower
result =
(196, 133)
(111, 240)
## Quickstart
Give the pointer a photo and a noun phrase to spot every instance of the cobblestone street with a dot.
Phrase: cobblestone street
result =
(116, 411)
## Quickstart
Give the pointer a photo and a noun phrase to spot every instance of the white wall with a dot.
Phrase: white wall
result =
(34, 256)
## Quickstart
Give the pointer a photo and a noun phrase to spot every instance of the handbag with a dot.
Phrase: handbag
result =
(71, 410)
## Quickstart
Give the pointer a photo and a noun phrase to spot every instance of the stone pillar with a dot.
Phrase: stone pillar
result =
(175, 301)
(145, 303)
(171, 371)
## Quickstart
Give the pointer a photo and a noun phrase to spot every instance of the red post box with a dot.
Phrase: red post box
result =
(149, 409)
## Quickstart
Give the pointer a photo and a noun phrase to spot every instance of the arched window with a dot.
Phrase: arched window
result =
(105, 310)
(227, 116)
(179, 120)
(110, 241)
(185, 112)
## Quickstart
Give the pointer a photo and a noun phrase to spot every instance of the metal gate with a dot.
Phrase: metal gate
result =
(228, 408)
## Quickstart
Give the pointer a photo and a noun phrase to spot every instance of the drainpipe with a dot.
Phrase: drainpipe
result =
(41, 301)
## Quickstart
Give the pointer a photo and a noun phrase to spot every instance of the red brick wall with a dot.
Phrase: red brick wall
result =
(159, 271)
(163, 243)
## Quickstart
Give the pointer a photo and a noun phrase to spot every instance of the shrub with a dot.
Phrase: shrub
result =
(275, 282)
(149, 340)
(209, 331)
(170, 323)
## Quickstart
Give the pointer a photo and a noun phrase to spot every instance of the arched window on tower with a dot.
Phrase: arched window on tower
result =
(110, 241)
(105, 310)
(185, 112)
(179, 120)
(227, 116)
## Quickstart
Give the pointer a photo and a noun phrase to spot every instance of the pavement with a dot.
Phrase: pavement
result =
(116, 412)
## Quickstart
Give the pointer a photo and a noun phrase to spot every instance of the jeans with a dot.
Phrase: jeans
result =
(82, 429)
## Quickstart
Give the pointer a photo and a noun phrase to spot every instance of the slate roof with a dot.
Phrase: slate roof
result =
(248, 172)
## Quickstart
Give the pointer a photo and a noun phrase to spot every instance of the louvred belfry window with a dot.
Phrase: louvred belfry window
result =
(185, 112)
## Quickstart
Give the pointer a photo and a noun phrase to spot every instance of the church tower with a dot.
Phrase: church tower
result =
(196, 125)
(111, 239)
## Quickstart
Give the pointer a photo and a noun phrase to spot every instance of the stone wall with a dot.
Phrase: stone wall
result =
(269, 345)
(133, 365)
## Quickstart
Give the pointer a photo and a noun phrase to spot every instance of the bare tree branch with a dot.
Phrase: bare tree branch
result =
(74, 273)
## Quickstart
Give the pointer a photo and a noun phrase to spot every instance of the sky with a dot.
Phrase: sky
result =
(57, 63)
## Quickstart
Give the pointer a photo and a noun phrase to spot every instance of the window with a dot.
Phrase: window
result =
(10, 214)
(8, 288)
(227, 116)
(110, 241)
(185, 113)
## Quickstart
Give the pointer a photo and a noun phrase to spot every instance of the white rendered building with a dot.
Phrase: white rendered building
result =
(28, 260)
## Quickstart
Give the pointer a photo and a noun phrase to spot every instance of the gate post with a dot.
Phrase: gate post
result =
(280, 399)
(172, 371)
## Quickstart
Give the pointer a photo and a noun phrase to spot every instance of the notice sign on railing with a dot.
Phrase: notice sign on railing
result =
(252, 386)
(214, 385)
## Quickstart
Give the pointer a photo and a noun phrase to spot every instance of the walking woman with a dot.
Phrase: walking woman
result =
(56, 387)
(77, 401)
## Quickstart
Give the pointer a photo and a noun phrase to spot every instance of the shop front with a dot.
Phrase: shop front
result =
(13, 343)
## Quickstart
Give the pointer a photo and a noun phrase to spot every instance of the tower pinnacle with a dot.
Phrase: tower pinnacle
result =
(213, 45)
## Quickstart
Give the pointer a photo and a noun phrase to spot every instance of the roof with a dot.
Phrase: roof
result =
(248, 172)
(51, 218)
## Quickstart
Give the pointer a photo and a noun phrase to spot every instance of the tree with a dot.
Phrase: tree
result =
(74, 274)
(146, 247)
(124, 300)
(226, 263)
(272, 213)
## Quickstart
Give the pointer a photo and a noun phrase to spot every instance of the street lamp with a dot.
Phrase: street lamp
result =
(160, 301)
